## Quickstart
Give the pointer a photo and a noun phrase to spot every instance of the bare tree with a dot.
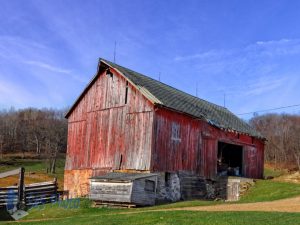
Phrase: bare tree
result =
(283, 140)
(33, 130)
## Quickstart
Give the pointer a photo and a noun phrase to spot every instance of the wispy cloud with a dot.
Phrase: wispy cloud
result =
(259, 48)
(32, 74)
(47, 66)
(258, 72)
(264, 85)
(212, 54)
(24, 51)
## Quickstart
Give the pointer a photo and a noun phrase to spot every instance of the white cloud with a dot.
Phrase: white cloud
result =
(254, 77)
(272, 42)
(264, 85)
(47, 66)
(202, 56)
(259, 48)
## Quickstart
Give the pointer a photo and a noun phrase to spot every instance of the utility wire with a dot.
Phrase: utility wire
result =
(266, 110)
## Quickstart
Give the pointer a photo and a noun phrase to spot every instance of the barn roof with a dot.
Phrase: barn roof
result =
(170, 97)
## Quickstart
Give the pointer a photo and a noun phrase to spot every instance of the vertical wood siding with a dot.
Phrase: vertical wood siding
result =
(195, 148)
(105, 133)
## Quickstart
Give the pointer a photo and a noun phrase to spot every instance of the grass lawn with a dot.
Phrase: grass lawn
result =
(268, 190)
(106, 216)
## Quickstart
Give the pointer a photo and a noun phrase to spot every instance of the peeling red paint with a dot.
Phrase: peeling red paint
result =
(196, 149)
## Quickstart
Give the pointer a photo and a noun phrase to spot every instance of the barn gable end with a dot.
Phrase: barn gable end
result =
(109, 129)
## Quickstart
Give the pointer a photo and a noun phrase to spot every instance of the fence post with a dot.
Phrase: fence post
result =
(21, 188)
(56, 187)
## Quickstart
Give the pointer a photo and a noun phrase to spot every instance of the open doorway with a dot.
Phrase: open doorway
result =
(230, 159)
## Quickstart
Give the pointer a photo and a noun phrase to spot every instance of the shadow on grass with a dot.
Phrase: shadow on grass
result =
(4, 216)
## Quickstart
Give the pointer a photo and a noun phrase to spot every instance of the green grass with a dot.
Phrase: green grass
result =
(268, 190)
(273, 172)
(177, 217)
(182, 204)
(263, 190)
(30, 165)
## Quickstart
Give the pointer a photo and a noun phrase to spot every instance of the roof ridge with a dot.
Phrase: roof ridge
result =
(195, 97)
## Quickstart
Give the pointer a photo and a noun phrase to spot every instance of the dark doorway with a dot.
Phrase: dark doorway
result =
(230, 159)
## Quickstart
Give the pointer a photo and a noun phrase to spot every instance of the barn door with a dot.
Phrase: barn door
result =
(138, 134)
(209, 158)
(250, 161)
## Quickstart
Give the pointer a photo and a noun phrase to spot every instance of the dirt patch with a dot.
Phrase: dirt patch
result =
(285, 205)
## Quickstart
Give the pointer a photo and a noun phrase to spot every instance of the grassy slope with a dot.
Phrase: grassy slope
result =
(268, 190)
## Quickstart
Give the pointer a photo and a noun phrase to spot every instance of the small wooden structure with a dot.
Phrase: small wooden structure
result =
(129, 189)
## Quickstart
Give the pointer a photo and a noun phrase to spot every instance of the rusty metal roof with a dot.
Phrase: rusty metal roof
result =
(122, 177)
(165, 95)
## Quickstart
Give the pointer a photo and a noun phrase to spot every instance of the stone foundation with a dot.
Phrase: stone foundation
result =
(171, 186)
(183, 185)
(168, 187)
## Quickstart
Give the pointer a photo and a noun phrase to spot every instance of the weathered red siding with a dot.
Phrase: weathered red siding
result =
(102, 128)
(195, 148)
(104, 133)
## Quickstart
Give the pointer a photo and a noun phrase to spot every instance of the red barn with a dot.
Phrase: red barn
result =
(126, 121)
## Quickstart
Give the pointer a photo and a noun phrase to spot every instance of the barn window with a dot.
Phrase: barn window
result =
(167, 179)
(108, 72)
(149, 185)
(176, 132)
(126, 92)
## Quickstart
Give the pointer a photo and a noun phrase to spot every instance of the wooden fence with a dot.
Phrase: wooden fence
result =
(27, 195)
(8, 195)
(41, 193)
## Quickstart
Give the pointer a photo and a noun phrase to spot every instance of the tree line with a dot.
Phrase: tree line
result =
(41, 131)
(44, 133)
(282, 132)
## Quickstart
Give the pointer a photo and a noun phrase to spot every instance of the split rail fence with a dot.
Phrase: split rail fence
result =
(27, 195)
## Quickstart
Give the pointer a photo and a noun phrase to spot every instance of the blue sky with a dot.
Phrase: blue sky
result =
(249, 50)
